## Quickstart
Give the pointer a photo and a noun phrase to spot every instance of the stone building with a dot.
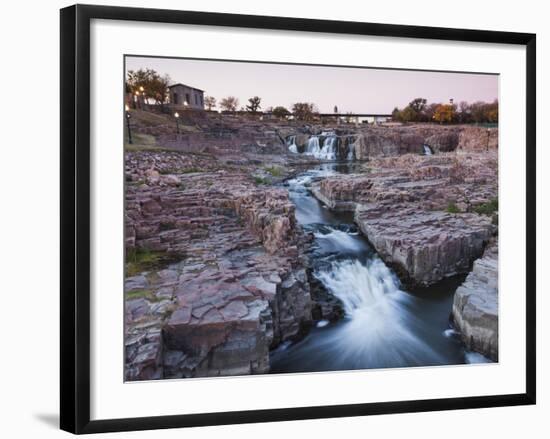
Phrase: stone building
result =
(181, 93)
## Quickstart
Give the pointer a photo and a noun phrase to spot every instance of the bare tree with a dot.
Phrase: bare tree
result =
(254, 104)
(229, 103)
(304, 110)
(210, 102)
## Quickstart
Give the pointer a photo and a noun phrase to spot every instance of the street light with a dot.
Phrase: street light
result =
(177, 116)
(128, 116)
(142, 91)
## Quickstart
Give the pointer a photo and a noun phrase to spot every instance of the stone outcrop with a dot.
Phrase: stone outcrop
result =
(419, 212)
(478, 139)
(373, 141)
(409, 139)
(424, 246)
(467, 180)
(392, 141)
(475, 307)
(237, 283)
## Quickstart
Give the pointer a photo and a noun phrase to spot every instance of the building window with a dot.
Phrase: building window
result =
(187, 98)
(175, 98)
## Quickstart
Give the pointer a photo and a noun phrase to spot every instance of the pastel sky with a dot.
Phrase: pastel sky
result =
(357, 90)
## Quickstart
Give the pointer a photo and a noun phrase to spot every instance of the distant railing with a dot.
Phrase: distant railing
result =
(486, 125)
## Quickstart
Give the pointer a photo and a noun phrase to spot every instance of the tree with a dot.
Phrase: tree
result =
(281, 112)
(335, 109)
(210, 102)
(429, 111)
(444, 113)
(254, 104)
(418, 105)
(405, 115)
(409, 115)
(396, 115)
(492, 112)
(148, 84)
(303, 110)
(229, 103)
(464, 115)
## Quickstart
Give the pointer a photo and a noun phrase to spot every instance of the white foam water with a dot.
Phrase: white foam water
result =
(340, 240)
(292, 147)
(327, 151)
(379, 327)
(351, 152)
(450, 333)
(475, 358)
(313, 148)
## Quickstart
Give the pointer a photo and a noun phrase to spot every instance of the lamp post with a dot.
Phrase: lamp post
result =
(142, 92)
(128, 116)
(177, 117)
(136, 100)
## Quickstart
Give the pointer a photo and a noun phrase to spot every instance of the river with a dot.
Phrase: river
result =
(384, 325)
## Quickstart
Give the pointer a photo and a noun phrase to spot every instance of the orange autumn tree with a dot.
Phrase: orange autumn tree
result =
(444, 113)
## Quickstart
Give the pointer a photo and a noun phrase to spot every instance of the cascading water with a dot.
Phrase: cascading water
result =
(384, 326)
(379, 328)
(427, 149)
(329, 150)
(291, 142)
(351, 151)
(313, 147)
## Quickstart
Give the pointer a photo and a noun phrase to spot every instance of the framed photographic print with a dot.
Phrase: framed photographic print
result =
(273, 218)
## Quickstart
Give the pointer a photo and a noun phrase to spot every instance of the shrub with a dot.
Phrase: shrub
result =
(452, 208)
(139, 260)
(275, 171)
(487, 208)
(261, 180)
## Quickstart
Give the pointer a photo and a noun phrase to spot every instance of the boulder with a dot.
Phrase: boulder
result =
(424, 247)
(475, 306)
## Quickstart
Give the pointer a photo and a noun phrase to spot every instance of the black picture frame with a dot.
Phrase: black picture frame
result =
(75, 217)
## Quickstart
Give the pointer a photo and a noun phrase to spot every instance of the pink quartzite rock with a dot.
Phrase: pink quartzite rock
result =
(424, 246)
(475, 307)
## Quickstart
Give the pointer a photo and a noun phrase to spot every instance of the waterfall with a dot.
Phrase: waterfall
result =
(427, 149)
(325, 152)
(291, 142)
(361, 286)
(351, 151)
(380, 326)
(313, 147)
(328, 151)
(383, 326)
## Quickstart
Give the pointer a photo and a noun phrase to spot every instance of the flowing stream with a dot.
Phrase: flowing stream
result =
(384, 326)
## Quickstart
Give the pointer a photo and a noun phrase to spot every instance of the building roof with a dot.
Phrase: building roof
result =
(184, 85)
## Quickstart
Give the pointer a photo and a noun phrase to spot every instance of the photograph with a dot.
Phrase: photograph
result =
(301, 218)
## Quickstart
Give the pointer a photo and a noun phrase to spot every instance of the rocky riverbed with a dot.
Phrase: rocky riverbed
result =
(421, 212)
(219, 271)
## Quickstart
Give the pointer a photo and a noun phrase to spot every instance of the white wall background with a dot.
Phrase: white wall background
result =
(29, 249)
